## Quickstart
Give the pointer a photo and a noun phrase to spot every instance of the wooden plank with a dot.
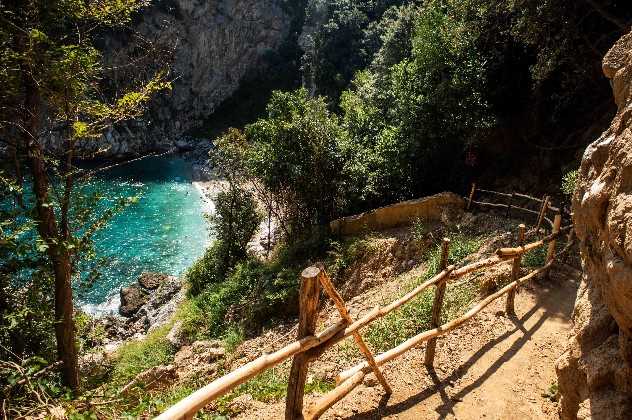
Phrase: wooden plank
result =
(515, 273)
(325, 281)
(528, 197)
(436, 332)
(545, 203)
(469, 201)
(308, 315)
(510, 253)
(550, 255)
(203, 396)
(500, 194)
(510, 204)
(333, 396)
(437, 304)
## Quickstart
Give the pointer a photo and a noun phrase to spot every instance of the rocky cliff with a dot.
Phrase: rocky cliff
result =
(214, 45)
(595, 373)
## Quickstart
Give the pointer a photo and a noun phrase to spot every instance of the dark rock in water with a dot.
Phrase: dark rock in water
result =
(147, 296)
(132, 298)
(151, 281)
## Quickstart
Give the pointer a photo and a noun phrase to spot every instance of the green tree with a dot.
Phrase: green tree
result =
(295, 154)
(53, 88)
(409, 123)
(233, 224)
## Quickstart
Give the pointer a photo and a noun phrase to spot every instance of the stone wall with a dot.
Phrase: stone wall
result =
(595, 372)
(428, 208)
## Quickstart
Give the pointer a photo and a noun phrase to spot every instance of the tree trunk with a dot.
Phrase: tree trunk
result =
(57, 251)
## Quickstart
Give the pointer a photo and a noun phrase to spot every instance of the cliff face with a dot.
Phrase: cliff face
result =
(595, 373)
(215, 44)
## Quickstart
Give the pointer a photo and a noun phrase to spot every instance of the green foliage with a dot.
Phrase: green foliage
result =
(347, 36)
(135, 357)
(253, 292)
(419, 229)
(90, 334)
(409, 123)
(233, 337)
(295, 154)
(341, 255)
(415, 316)
(234, 223)
(535, 258)
(569, 182)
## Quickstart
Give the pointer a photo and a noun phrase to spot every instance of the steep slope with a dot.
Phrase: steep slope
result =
(214, 45)
(595, 372)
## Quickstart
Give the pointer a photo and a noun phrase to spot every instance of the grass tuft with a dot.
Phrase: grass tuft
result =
(137, 356)
(416, 315)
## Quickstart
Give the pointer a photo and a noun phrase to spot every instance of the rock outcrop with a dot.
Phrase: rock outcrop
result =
(595, 373)
(213, 44)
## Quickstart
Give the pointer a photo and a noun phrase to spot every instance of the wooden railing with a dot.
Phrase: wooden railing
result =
(310, 345)
(545, 205)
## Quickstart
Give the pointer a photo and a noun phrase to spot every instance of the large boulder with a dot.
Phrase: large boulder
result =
(132, 299)
(152, 281)
(595, 372)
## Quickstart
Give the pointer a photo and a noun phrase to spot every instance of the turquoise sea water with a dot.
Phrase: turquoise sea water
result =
(164, 232)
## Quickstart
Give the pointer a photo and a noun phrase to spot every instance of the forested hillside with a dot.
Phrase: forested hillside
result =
(430, 97)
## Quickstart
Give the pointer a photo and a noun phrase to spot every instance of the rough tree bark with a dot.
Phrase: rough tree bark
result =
(48, 231)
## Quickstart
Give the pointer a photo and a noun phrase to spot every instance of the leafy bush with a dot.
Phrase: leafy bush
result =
(410, 123)
(535, 258)
(234, 223)
(253, 292)
(295, 154)
(569, 182)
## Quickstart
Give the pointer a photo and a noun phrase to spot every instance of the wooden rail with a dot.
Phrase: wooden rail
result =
(310, 345)
(544, 205)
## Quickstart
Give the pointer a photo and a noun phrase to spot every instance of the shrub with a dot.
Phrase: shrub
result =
(137, 356)
(253, 292)
(569, 182)
(234, 223)
(295, 154)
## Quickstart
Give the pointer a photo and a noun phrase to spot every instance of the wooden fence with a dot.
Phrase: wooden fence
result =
(310, 344)
(512, 202)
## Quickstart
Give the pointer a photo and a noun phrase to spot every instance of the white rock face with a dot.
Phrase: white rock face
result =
(215, 44)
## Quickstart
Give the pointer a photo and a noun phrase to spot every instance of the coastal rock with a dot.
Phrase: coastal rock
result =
(201, 357)
(595, 372)
(132, 298)
(155, 377)
(151, 281)
(176, 336)
(147, 309)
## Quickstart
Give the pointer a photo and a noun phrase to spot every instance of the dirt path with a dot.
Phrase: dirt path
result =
(495, 368)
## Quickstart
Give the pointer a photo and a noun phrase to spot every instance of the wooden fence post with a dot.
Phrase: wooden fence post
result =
(438, 303)
(545, 205)
(515, 273)
(510, 205)
(344, 313)
(308, 315)
(469, 201)
(556, 228)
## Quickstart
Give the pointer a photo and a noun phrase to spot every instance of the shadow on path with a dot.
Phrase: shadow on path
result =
(440, 384)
